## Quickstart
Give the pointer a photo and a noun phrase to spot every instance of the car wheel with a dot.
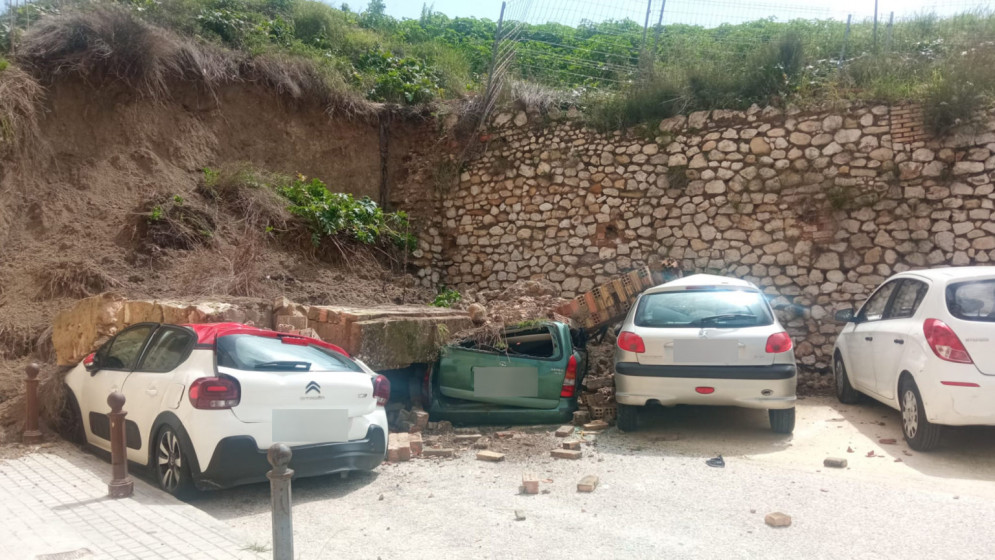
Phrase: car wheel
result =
(172, 470)
(920, 433)
(782, 421)
(844, 390)
(628, 418)
(71, 420)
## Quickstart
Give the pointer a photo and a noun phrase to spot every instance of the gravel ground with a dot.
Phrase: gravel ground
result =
(657, 497)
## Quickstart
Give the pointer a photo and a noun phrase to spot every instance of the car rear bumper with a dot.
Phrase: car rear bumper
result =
(960, 406)
(764, 387)
(238, 460)
(480, 413)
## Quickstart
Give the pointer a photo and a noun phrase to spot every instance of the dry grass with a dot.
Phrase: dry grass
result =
(72, 279)
(231, 272)
(242, 192)
(20, 97)
(110, 43)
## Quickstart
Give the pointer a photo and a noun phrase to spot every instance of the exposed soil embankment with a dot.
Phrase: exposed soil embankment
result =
(76, 205)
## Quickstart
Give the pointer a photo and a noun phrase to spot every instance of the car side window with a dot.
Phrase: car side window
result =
(169, 347)
(125, 348)
(874, 308)
(907, 299)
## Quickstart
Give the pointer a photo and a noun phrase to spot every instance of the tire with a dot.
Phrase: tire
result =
(920, 433)
(844, 390)
(71, 420)
(628, 418)
(170, 466)
(782, 421)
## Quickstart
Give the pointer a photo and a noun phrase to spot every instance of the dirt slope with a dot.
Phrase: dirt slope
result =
(72, 208)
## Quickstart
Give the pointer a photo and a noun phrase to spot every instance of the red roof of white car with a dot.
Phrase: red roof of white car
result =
(208, 333)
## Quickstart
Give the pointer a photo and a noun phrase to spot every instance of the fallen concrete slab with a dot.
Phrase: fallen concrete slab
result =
(390, 337)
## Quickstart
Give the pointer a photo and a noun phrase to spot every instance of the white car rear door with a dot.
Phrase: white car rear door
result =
(306, 393)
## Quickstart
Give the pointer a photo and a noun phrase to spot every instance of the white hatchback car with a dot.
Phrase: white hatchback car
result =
(705, 340)
(204, 403)
(924, 344)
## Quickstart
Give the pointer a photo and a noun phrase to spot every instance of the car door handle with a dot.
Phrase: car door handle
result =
(868, 338)
(152, 391)
(899, 341)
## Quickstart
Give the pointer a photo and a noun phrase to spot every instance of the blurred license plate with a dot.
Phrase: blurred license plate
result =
(706, 351)
(310, 426)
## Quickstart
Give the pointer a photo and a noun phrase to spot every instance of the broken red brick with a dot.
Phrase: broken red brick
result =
(530, 483)
(571, 444)
(415, 443)
(567, 453)
(564, 431)
(491, 456)
(887, 441)
(587, 484)
(778, 519)
(596, 426)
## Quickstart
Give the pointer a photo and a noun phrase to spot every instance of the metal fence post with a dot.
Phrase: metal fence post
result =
(846, 38)
(279, 484)
(31, 432)
(875, 26)
(121, 485)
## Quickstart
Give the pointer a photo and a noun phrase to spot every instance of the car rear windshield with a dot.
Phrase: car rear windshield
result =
(972, 301)
(257, 353)
(703, 308)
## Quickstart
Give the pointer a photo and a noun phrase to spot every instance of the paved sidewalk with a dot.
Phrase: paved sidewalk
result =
(54, 505)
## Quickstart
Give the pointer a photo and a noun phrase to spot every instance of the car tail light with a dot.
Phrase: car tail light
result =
(944, 342)
(381, 390)
(570, 378)
(778, 343)
(705, 390)
(215, 393)
(631, 342)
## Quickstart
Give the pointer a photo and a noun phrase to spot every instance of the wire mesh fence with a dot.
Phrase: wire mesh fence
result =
(610, 43)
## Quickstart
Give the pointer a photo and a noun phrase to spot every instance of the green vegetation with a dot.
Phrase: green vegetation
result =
(447, 297)
(3, 64)
(308, 45)
(330, 214)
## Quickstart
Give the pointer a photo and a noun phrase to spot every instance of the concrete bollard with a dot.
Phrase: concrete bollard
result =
(31, 432)
(279, 484)
(121, 485)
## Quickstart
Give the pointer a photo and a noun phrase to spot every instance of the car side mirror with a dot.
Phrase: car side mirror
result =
(90, 363)
(844, 316)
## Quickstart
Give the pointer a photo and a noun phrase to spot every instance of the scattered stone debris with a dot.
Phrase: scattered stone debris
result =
(466, 438)
(778, 519)
(491, 456)
(415, 443)
(530, 483)
(596, 426)
(887, 441)
(439, 452)
(717, 462)
(482, 443)
(519, 515)
(504, 435)
(567, 453)
(571, 444)
(581, 417)
(834, 462)
(849, 450)
(564, 431)
(666, 437)
(587, 484)
(870, 453)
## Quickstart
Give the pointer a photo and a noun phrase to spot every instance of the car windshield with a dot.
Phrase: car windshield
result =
(714, 308)
(972, 301)
(257, 353)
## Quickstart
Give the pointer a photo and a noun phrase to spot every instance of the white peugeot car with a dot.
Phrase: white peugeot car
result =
(705, 340)
(204, 402)
(924, 344)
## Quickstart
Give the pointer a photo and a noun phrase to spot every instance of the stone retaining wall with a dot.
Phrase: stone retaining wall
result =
(817, 208)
